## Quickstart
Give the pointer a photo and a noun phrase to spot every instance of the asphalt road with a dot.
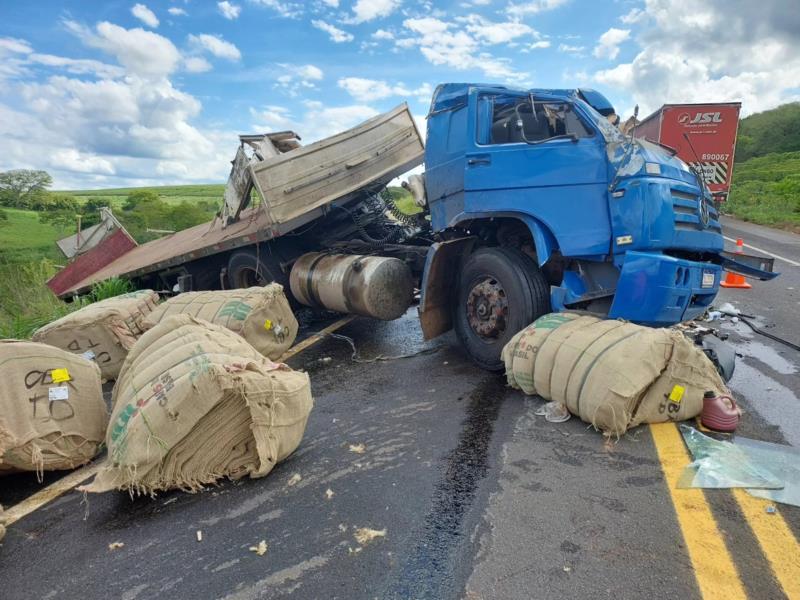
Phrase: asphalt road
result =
(479, 498)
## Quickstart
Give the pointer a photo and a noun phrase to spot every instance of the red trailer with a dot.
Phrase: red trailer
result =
(711, 128)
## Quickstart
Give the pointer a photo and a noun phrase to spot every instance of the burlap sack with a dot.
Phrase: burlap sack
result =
(261, 315)
(613, 374)
(519, 354)
(195, 402)
(52, 413)
(103, 331)
(2, 525)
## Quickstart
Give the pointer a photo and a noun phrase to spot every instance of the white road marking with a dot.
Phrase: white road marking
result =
(786, 260)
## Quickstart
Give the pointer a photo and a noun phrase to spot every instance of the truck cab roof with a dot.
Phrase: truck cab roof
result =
(450, 96)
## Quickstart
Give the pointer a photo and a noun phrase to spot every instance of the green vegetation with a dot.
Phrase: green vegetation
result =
(102, 290)
(766, 176)
(403, 200)
(769, 132)
(25, 301)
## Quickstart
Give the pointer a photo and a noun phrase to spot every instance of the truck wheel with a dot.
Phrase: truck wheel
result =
(500, 291)
(245, 270)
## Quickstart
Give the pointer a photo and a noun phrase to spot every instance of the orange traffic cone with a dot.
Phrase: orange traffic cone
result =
(734, 280)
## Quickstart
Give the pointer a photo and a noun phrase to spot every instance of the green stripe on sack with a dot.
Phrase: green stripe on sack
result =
(551, 321)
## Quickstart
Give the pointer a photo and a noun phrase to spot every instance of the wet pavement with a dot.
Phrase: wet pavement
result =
(479, 498)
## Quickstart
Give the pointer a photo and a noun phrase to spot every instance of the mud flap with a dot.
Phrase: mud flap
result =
(438, 282)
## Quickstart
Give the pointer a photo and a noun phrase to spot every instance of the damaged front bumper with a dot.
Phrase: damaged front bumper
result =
(660, 290)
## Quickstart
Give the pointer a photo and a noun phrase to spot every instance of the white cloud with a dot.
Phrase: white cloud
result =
(369, 10)
(76, 66)
(496, 33)
(444, 43)
(368, 90)
(290, 10)
(145, 15)
(608, 44)
(635, 15)
(531, 8)
(228, 10)
(141, 52)
(296, 78)
(317, 122)
(717, 51)
(215, 45)
(331, 3)
(382, 34)
(196, 64)
(569, 49)
(177, 11)
(540, 44)
(337, 35)
(15, 45)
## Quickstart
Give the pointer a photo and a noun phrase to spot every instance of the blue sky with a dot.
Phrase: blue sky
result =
(126, 93)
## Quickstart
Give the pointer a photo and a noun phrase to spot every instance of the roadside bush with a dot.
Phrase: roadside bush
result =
(110, 288)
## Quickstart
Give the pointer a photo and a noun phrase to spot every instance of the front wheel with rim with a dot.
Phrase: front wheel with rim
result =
(501, 291)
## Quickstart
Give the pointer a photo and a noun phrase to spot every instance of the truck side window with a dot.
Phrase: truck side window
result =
(515, 120)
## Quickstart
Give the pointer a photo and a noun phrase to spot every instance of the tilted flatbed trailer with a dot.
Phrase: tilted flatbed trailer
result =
(321, 186)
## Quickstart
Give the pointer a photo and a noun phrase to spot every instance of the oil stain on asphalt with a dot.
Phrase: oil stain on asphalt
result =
(428, 572)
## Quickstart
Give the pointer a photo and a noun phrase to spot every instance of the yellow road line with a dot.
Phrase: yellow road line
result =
(776, 540)
(313, 339)
(68, 482)
(714, 569)
(51, 492)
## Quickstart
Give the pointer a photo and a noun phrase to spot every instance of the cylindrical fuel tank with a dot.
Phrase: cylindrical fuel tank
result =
(373, 286)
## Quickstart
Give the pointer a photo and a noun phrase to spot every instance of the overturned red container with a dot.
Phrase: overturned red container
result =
(720, 413)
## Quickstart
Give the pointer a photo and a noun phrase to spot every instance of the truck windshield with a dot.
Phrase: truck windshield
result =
(515, 119)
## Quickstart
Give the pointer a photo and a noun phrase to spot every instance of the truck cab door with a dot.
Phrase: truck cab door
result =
(539, 157)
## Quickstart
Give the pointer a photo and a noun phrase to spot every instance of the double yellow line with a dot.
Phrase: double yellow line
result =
(715, 570)
(74, 479)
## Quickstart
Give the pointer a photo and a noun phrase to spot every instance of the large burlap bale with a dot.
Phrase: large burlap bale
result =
(195, 402)
(612, 374)
(103, 331)
(44, 425)
(261, 315)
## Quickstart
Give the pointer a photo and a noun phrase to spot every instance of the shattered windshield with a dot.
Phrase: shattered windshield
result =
(609, 132)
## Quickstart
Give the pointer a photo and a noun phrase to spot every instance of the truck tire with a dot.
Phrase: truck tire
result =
(246, 269)
(500, 291)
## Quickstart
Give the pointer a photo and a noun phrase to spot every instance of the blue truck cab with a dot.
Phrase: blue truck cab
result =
(541, 204)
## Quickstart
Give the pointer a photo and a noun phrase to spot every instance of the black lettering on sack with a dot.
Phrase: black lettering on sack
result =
(62, 404)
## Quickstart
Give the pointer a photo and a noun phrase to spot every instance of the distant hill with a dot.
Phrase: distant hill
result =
(771, 131)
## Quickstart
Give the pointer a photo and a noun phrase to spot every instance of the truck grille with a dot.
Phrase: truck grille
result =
(686, 209)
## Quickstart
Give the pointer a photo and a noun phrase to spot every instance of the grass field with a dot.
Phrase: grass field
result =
(24, 238)
(174, 194)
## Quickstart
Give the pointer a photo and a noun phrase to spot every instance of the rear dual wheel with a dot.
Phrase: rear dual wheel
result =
(500, 291)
